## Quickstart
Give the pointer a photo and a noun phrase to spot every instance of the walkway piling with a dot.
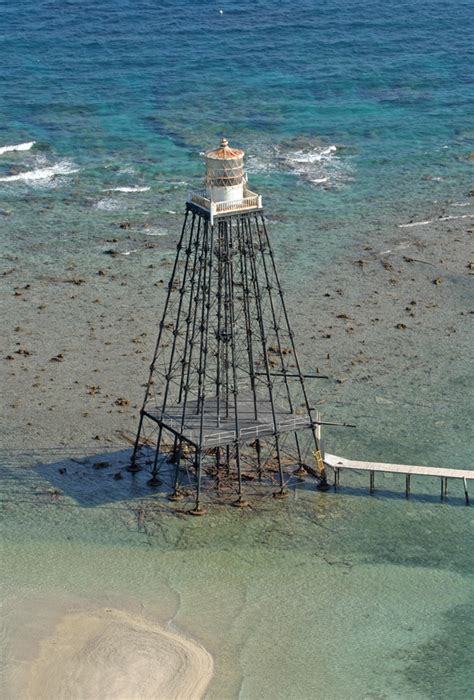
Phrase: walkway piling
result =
(444, 473)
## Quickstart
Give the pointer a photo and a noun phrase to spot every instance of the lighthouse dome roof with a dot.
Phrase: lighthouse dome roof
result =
(224, 152)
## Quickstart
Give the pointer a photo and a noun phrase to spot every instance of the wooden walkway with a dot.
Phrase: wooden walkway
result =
(443, 473)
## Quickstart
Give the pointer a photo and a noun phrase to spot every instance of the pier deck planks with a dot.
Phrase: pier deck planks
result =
(444, 472)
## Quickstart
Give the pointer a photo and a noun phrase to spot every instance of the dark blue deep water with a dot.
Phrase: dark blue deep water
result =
(126, 94)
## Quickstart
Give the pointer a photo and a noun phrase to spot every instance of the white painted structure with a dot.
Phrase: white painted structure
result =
(226, 184)
(444, 473)
(225, 173)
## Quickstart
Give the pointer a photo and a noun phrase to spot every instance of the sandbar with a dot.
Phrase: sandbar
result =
(108, 653)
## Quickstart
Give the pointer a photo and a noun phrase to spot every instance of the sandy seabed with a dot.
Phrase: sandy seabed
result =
(388, 322)
(109, 653)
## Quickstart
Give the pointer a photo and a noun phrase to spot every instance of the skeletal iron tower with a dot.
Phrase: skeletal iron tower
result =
(226, 392)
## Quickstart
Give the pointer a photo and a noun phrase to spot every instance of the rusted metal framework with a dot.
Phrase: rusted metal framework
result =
(226, 392)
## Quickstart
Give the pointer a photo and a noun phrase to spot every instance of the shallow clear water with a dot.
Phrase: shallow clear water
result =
(323, 596)
(356, 120)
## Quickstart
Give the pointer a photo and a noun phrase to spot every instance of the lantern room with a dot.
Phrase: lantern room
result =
(225, 173)
(226, 190)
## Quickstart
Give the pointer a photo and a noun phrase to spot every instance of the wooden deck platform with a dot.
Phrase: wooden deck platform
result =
(222, 432)
(443, 473)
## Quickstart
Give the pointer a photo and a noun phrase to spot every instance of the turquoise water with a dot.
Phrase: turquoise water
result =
(356, 120)
(330, 596)
(127, 94)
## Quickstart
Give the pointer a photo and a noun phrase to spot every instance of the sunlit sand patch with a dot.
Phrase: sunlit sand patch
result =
(112, 654)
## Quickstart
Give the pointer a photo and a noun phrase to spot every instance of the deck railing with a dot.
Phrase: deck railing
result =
(250, 201)
(224, 437)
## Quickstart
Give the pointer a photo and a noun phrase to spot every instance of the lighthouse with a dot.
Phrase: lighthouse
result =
(226, 188)
(226, 388)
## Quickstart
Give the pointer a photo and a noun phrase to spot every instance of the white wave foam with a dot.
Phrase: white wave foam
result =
(313, 156)
(17, 147)
(461, 216)
(432, 221)
(44, 174)
(460, 204)
(416, 223)
(129, 170)
(109, 204)
(260, 164)
(155, 232)
(316, 163)
(318, 180)
(127, 189)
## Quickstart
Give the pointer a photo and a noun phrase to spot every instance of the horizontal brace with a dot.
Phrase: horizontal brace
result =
(288, 374)
(341, 425)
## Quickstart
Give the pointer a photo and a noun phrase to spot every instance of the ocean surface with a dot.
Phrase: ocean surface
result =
(357, 121)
